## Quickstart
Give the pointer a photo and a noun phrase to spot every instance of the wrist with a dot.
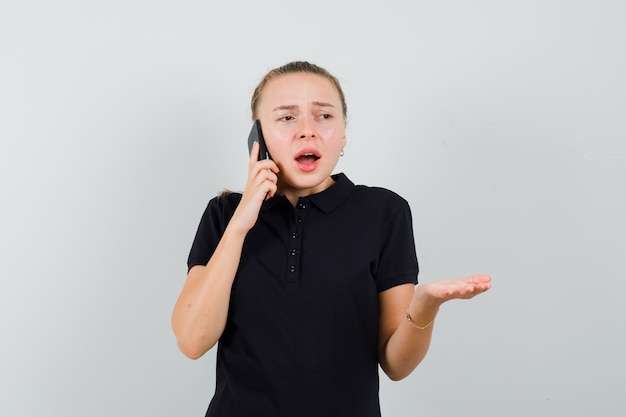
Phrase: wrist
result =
(422, 310)
(422, 299)
(235, 230)
(413, 322)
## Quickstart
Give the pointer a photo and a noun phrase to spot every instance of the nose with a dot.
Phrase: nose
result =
(306, 130)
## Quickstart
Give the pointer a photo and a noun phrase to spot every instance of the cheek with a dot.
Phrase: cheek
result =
(335, 134)
(276, 143)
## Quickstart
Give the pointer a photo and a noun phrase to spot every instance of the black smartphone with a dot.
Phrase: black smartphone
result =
(256, 135)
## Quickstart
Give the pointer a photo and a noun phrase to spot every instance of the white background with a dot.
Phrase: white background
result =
(502, 123)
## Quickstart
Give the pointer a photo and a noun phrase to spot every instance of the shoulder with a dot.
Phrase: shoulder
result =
(224, 200)
(379, 192)
(370, 194)
(221, 207)
(374, 196)
(376, 205)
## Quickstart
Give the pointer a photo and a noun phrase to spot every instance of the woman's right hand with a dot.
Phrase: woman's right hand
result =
(260, 186)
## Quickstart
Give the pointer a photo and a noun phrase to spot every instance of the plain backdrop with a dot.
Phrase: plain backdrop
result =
(501, 122)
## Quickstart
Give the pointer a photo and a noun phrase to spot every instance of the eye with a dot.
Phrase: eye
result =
(286, 118)
(326, 116)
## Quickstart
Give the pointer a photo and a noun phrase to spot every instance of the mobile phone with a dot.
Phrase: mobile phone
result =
(256, 135)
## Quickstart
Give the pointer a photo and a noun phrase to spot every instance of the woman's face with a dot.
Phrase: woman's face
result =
(304, 128)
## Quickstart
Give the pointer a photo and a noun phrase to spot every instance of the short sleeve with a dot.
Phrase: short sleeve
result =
(211, 228)
(397, 263)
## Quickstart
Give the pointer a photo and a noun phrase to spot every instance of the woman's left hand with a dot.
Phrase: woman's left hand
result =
(438, 292)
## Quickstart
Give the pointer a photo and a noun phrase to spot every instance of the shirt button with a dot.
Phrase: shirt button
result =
(294, 252)
(294, 235)
(292, 268)
(302, 206)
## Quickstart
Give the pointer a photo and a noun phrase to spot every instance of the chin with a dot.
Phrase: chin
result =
(307, 181)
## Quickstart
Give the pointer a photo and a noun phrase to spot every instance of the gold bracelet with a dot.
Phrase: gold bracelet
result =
(412, 323)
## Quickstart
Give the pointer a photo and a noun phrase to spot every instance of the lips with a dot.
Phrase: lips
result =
(307, 159)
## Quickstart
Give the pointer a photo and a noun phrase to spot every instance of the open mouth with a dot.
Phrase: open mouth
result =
(307, 158)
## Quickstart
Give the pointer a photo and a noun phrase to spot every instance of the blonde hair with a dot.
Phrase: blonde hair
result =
(295, 67)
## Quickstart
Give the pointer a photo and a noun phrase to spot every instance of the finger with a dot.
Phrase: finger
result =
(271, 191)
(265, 174)
(254, 152)
(260, 172)
(263, 182)
(479, 279)
(480, 288)
(269, 165)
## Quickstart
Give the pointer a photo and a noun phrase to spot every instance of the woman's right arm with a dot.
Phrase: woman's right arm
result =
(201, 310)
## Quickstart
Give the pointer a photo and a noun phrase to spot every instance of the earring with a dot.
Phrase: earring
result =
(341, 154)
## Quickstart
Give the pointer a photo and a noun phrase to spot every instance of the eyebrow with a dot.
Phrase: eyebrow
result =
(293, 106)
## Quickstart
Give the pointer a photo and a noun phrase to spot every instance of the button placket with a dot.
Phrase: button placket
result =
(295, 241)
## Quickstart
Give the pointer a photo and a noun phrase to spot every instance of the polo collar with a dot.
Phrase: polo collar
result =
(326, 200)
(333, 196)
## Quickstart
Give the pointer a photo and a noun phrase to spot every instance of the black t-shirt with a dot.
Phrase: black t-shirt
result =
(302, 330)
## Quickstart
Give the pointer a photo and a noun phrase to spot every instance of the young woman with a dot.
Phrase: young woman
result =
(307, 281)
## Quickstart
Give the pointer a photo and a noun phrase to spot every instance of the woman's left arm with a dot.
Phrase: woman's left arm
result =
(404, 341)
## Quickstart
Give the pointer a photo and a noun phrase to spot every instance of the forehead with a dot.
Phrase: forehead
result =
(299, 88)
